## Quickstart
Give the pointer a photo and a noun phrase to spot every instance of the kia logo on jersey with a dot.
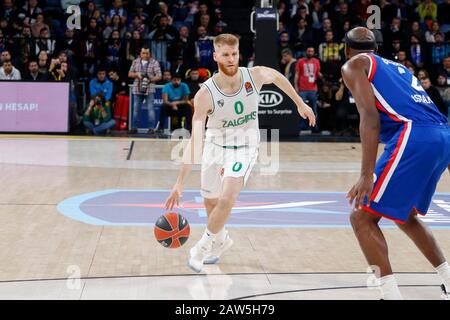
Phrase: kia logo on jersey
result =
(270, 99)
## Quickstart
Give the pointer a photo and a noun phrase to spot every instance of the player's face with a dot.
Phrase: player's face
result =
(227, 58)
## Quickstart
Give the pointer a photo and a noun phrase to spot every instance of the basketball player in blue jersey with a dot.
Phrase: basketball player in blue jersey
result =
(395, 109)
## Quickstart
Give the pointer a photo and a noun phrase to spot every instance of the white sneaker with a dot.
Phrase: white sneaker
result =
(445, 294)
(218, 249)
(198, 255)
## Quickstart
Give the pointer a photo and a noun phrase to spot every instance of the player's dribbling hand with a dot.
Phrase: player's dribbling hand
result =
(173, 198)
(307, 113)
(363, 188)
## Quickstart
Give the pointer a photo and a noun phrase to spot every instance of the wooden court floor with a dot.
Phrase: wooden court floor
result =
(40, 248)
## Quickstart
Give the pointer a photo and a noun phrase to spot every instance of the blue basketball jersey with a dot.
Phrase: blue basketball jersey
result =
(399, 97)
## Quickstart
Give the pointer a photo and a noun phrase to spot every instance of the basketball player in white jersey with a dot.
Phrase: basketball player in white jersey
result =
(229, 100)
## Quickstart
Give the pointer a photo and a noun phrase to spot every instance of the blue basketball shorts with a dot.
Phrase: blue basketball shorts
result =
(408, 171)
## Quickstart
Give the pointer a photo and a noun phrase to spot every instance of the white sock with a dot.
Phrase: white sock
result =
(389, 288)
(443, 271)
(221, 235)
(207, 238)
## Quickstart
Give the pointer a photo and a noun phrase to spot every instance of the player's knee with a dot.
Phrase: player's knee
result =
(359, 219)
(225, 203)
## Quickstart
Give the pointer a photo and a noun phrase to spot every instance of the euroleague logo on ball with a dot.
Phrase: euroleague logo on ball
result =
(171, 230)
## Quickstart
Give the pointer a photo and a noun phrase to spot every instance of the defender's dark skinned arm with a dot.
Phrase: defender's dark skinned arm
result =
(354, 74)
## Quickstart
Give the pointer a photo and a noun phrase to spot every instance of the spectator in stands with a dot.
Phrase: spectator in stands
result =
(97, 117)
(288, 60)
(68, 42)
(283, 43)
(445, 69)
(205, 21)
(430, 35)
(179, 66)
(401, 58)
(416, 52)
(317, 14)
(93, 28)
(102, 85)
(339, 36)
(137, 24)
(342, 16)
(434, 95)
(422, 74)
(204, 49)
(346, 113)
(166, 77)
(116, 25)
(439, 50)
(90, 54)
(29, 12)
(443, 88)
(133, 47)
(88, 11)
(64, 56)
(331, 54)
(388, 12)
(38, 25)
(393, 32)
(182, 45)
(145, 71)
(117, 10)
(301, 13)
(303, 38)
(9, 72)
(164, 11)
(193, 83)
(427, 10)
(319, 35)
(33, 73)
(161, 37)
(8, 11)
(5, 56)
(58, 71)
(44, 43)
(175, 95)
(115, 50)
(392, 53)
(306, 75)
(2, 42)
(283, 13)
(325, 108)
(120, 85)
(202, 10)
(43, 62)
(24, 43)
(330, 50)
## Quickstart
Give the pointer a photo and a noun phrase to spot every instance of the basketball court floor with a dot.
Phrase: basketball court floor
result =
(76, 220)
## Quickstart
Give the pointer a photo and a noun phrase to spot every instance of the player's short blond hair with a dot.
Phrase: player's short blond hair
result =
(226, 39)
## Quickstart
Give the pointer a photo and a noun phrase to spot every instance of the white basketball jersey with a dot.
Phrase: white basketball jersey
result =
(233, 120)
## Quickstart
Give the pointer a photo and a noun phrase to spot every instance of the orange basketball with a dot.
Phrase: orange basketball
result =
(172, 230)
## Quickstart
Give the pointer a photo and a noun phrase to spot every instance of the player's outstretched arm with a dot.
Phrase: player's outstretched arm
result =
(264, 75)
(193, 152)
(354, 74)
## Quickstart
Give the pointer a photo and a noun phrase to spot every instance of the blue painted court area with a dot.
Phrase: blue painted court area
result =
(253, 209)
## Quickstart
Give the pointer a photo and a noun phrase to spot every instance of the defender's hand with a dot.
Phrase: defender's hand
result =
(360, 190)
(173, 198)
(307, 113)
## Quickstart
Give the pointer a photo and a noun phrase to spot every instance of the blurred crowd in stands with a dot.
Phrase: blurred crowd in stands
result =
(147, 43)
